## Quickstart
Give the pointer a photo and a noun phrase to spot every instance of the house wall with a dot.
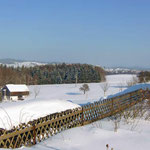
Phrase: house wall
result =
(19, 93)
(13, 98)
(5, 93)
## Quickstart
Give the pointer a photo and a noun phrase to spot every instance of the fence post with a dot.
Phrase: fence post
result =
(142, 92)
(107, 146)
(34, 134)
(82, 118)
(148, 94)
(130, 99)
(112, 107)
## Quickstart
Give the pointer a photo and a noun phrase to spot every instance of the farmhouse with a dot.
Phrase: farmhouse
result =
(15, 92)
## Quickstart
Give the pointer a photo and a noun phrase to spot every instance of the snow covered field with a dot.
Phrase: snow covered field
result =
(72, 93)
(53, 98)
(48, 99)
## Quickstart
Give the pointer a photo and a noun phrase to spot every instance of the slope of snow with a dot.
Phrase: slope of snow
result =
(25, 64)
(12, 114)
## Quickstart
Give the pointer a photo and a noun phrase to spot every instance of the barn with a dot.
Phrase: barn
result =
(15, 92)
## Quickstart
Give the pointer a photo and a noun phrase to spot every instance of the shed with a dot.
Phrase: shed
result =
(15, 92)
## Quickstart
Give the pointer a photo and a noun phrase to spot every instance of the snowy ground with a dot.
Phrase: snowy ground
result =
(48, 99)
(12, 114)
(95, 136)
(72, 93)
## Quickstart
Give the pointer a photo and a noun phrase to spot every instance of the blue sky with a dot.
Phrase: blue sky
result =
(99, 32)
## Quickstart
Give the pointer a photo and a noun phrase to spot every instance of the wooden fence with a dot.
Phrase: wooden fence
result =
(36, 131)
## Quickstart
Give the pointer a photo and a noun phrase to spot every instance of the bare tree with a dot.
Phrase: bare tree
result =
(116, 119)
(84, 88)
(8, 118)
(76, 77)
(36, 90)
(104, 87)
(133, 81)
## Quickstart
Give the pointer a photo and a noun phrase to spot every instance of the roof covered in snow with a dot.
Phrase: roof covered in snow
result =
(17, 87)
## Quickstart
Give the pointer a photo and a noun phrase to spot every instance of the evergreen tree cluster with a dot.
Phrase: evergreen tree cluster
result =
(51, 74)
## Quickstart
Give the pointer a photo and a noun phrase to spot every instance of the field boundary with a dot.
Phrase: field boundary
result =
(42, 128)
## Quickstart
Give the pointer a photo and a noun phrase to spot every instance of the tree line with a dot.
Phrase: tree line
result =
(51, 74)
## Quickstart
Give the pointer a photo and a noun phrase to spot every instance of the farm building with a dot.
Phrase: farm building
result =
(15, 92)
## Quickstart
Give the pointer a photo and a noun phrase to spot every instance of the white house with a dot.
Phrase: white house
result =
(15, 92)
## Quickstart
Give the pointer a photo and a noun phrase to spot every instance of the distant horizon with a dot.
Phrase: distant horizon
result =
(114, 33)
(125, 67)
